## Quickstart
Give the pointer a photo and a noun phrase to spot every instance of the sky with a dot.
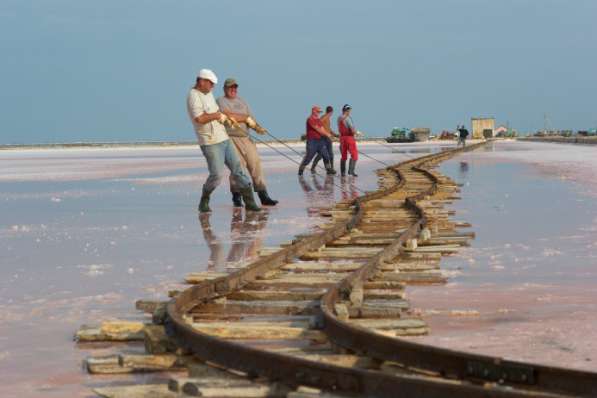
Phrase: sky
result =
(120, 70)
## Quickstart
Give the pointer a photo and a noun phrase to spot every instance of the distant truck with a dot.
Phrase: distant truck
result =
(407, 135)
(400, 135)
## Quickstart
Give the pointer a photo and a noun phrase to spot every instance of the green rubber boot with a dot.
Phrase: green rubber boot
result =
(249, 200)
(204, 203)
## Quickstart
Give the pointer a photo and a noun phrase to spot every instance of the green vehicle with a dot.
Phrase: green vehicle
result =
(400, 135)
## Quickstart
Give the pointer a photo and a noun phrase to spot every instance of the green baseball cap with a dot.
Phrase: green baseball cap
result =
(230, 82)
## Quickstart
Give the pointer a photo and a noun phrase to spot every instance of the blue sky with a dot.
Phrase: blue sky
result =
(76, 70)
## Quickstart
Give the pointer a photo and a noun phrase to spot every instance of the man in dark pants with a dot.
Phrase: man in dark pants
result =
(325, 120)
(315, 143)
(462, 134)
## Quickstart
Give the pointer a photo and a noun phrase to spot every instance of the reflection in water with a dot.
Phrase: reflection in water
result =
(412, 150)
(245, 237)
(463, 168)
(318, 194)
(349, 188)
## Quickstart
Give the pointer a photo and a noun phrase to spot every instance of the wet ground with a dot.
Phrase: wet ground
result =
(84, 233)
(525, 289)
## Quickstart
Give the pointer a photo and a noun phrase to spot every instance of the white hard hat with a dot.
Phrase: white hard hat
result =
(209, 75)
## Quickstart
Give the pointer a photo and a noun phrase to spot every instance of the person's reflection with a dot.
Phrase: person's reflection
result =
(216, 249)
(318, 195)
(244, 235)
(463, 168)
(349, 188)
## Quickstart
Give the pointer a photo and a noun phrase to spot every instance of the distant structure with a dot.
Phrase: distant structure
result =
(421, 133)
(483, 127)
(501, 130)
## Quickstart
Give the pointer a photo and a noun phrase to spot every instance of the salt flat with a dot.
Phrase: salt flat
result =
(85, 232)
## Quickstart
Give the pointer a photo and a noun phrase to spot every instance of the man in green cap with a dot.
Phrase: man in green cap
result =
(237, 108)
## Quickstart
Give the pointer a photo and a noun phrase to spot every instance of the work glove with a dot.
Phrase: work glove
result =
(251, 122)
(231, 122)
(223, 118)
(255, 126)
(259, 130)
(359, 133)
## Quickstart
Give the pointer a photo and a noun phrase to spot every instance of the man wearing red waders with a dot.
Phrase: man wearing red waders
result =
(347, 142)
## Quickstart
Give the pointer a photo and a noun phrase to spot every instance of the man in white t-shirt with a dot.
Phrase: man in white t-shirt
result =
(217, 148)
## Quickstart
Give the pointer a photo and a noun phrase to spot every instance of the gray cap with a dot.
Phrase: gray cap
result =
(230, 82)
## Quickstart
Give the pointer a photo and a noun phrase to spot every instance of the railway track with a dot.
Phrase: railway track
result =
(326, 310)
(324, 314)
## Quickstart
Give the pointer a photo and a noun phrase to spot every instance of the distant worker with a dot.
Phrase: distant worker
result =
(462, 134)
(325, 121)
(347, 142)
(217, 148)
(315, 143)
(237, 108)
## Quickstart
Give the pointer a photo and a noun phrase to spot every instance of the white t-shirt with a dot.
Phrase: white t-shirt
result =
(210, 133)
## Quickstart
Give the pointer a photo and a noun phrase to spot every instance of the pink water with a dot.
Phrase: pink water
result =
(525, 289)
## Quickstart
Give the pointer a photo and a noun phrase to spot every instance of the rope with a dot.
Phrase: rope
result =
(299, 163)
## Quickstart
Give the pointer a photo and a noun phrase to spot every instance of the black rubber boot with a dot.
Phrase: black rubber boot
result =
(329, 168)
(265, 199)
(237, 199)
(342, 168)
(204, 203)
(249, 200)
(314, 164)
(351, 164)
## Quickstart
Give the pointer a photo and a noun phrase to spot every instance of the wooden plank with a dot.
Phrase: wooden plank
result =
(387, 294)
(265, 307)
(253, 391)
(276, 295)
(152, 363)
(385, 324)
(105, 365)
(244, 331)
(340, 360)
(136, 391)
(412, 277)
(111, 331)
(384, 284)
(321, 266)
(198, 277)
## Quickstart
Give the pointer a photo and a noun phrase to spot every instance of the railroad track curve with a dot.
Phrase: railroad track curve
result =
(327, 310)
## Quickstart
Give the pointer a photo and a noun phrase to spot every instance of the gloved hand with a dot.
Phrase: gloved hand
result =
(359, 133)
(259, 130)
(223, 118)
(251, 122)
(233, 123)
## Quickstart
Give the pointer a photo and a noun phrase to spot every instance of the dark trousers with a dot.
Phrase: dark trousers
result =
(315, 147)
(328, 146)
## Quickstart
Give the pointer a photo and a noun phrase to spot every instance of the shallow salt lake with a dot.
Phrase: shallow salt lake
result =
(526, 288)
(84, 233)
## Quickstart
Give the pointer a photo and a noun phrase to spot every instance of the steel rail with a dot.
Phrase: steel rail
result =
(297, 371)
